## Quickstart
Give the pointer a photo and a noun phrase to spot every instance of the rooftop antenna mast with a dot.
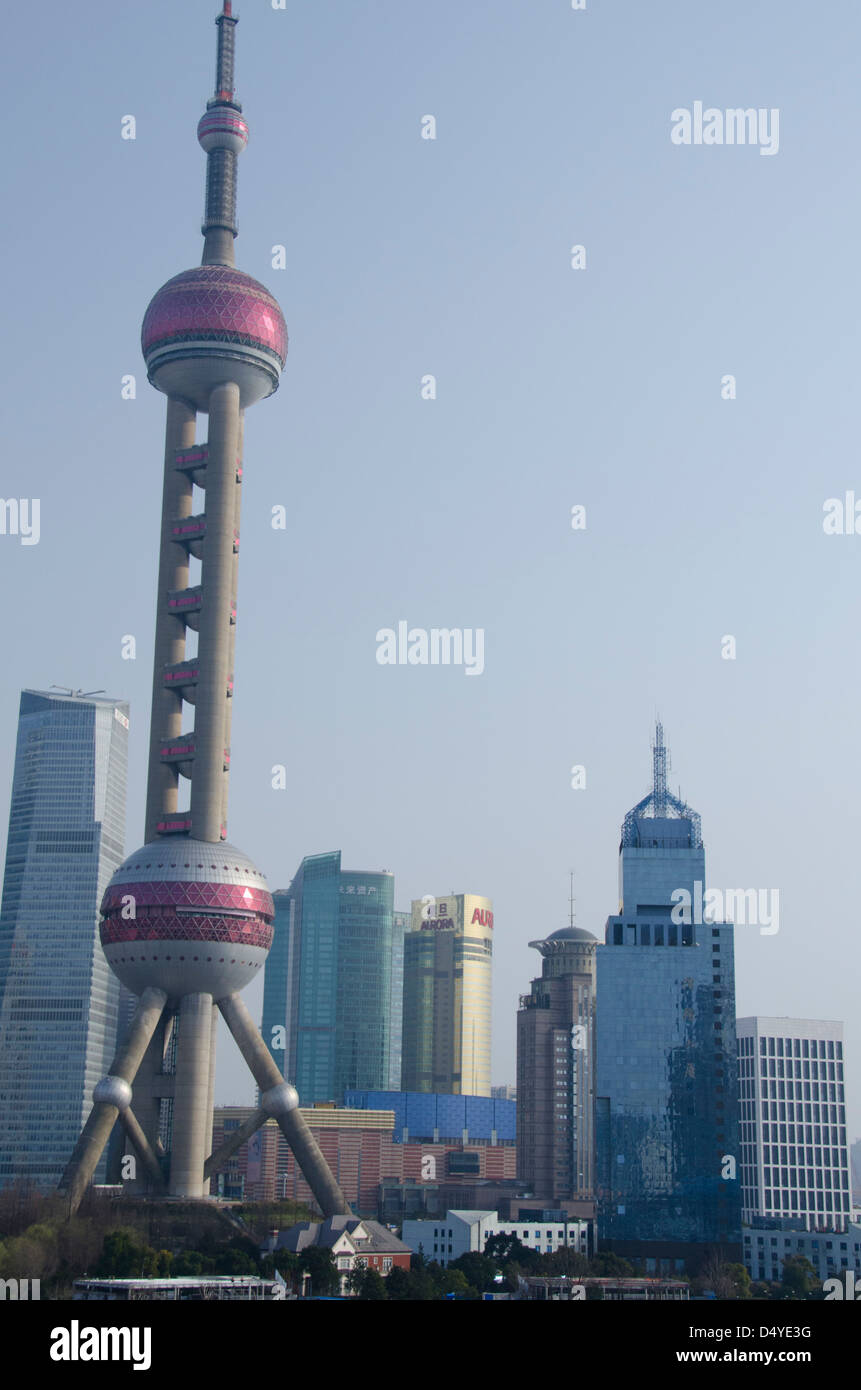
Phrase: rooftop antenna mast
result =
(77, 694)
(571, 899)
(660, 763)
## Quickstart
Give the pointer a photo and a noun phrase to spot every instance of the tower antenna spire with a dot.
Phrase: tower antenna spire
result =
(571, 898)
(223, 134)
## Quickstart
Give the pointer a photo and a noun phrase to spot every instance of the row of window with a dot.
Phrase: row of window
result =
(792, 1047)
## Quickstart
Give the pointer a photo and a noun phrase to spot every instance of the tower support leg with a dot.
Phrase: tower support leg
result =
(280, 1101)
(239, 1137)
(142, 1148)
(111, 1096)
(192, 1120)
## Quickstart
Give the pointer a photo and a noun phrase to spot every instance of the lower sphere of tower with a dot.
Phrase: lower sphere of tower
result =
(188, 917)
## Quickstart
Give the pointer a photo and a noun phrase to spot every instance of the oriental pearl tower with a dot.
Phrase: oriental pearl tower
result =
(187, 919)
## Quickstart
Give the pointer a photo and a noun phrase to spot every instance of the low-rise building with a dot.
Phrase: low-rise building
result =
(573, 1290)
(830, 1252)
(459, 1232)
(354, 1243)
(181, 1288)
(373, 1151)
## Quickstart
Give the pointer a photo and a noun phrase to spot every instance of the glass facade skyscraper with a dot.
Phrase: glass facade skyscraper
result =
(58, 997)
(328, 980)
(667, 1173)
(400, 927)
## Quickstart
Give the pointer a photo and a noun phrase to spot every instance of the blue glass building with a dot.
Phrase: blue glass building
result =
(328, 979)
(435, 1118)
(666, 1080)
(58, 997)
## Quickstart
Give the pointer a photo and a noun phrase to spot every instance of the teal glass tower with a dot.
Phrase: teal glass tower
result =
(58, 996)
(327, 997)
(666, 1082)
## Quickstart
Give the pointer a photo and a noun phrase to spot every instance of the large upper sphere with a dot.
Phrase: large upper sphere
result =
(188, 917)
(210, 325)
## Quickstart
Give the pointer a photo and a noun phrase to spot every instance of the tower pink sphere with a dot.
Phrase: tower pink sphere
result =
(207, 320)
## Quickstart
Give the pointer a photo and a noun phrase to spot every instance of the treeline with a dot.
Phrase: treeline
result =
(128, 1239)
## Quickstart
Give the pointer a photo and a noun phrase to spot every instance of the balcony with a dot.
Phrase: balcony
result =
(193, 461)
(187, 603)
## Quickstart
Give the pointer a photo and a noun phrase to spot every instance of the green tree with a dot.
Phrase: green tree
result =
(284, 1261)
(424, 1279)
(123, 1256)
(607, 1265)
(193, 1262)
(504, 1249)
(561, 1261)
(319, 1262)
(725, 1281)
(233, 1261)
(399, 1285)
(372, 1286)
(479, 1270)
(455, 1281)
(799, 1280)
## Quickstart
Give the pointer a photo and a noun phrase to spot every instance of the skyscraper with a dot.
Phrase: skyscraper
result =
(794, 1152)
(187, 919)
(448, 953)
(400, 927)
(58, 998)
(328, 981)
(555, 1062)
(666, 1071)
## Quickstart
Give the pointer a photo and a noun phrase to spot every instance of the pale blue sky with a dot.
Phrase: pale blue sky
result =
(556, 387)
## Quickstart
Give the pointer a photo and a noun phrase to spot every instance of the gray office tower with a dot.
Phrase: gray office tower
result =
(58, 998)
(666, 1085)
(187, 919)
(555, 1066)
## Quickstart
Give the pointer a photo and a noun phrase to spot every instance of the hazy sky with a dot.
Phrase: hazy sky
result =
(555, 387)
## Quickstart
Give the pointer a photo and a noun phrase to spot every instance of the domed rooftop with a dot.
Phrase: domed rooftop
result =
(556, 942)
(214, 303)
(571, 934)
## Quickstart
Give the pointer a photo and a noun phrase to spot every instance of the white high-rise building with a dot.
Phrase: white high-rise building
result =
(794, 1154)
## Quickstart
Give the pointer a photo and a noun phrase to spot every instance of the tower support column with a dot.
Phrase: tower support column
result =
(219, 560)
(166, 717)
(192, 1121)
